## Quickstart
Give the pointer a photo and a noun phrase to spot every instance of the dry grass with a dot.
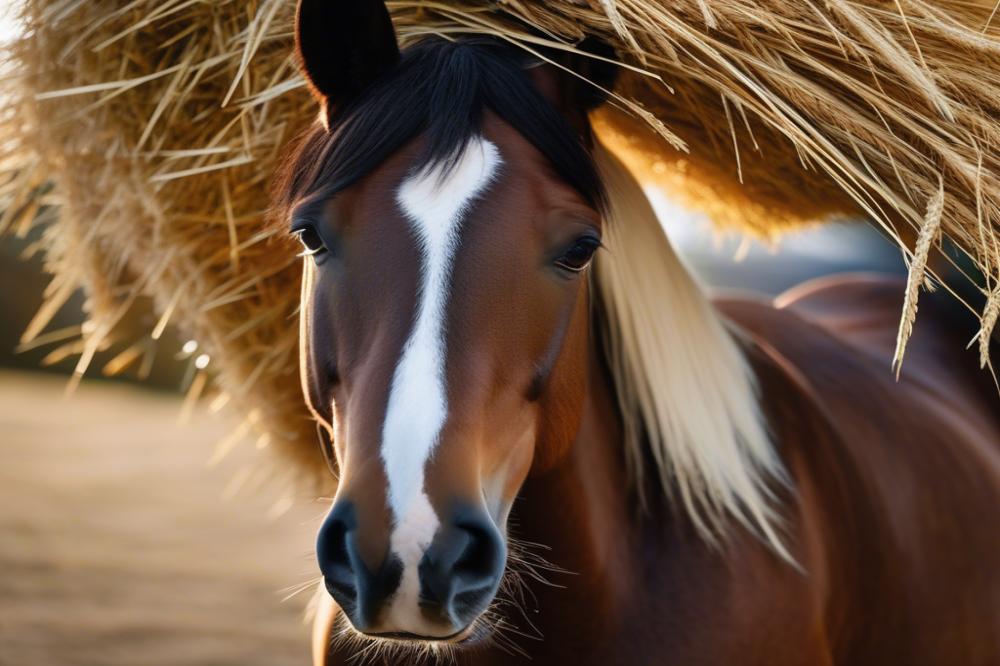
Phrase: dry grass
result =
(160, 123)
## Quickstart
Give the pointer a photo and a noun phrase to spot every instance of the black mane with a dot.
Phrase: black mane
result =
(439, 89)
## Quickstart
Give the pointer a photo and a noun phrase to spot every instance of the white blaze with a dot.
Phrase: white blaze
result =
(434, 200)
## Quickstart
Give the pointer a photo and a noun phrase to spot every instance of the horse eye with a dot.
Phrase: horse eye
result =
(311, 242)
(578, 255)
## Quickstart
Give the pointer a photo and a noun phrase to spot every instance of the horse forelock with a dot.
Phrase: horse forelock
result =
(440, 91)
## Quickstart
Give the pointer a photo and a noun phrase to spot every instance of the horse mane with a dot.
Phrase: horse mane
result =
(687, 395)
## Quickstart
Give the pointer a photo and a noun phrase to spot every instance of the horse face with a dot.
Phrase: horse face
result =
(444, 321)
(444, 329)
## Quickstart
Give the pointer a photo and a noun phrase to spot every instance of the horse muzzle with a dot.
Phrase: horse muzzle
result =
(433, 595)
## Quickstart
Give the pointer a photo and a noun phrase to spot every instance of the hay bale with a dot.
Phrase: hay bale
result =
(162, 189)
(160, 122)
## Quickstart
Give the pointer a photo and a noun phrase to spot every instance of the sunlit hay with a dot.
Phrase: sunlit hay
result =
(929, 234)
(155, 126)
(990, 315)
(788, 113)
(162, 191)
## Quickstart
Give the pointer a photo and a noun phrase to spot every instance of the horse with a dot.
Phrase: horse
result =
(552, 445)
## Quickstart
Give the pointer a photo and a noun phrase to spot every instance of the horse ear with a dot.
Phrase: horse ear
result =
(342, 47)
(581, 89)
(598, 68)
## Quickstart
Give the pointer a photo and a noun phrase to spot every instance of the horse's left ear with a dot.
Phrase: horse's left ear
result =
(343, 46)
(581, 89)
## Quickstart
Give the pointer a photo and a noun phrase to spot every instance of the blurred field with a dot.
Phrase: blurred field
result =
(116, 546)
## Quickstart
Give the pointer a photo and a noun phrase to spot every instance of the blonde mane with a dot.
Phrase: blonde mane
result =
(687, 395)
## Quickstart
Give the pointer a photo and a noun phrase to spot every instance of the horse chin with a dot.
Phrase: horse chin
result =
(400, 644)
(468, 635)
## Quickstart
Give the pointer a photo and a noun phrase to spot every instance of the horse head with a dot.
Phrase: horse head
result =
(450, 209)
(453, 205)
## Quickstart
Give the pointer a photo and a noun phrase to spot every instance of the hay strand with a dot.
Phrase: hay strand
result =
(930, 232)
(990, 314)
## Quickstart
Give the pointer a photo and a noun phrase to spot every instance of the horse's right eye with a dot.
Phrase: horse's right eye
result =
(578, 255)
(311, 242)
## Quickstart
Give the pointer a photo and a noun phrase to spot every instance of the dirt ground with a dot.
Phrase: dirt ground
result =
(117, 545)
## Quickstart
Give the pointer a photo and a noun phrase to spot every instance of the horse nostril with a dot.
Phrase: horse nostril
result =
(460, 572)
(335, 559)
(359, 590)
(479, 559)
